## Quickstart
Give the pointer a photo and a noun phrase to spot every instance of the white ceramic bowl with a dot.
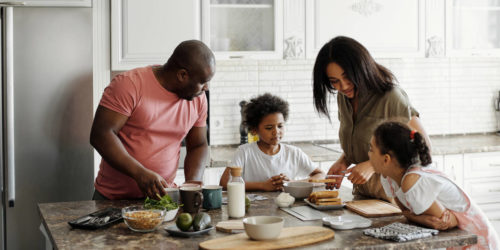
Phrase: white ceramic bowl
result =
(171, 214)
(263, 227)
(299, 190)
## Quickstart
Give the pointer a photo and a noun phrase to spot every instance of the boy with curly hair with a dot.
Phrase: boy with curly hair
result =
(268, 163)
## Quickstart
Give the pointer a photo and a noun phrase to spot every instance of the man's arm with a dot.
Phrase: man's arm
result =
(104, 138)
(196, 154)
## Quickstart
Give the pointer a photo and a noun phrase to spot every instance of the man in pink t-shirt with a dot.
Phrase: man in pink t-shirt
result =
(142, 118)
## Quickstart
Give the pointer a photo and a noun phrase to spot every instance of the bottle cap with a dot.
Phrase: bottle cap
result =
(235, 171)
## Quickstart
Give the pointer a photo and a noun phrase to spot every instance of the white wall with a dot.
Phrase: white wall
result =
(453, 95)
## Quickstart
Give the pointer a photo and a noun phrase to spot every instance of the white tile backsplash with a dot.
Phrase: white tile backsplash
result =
(453, 95)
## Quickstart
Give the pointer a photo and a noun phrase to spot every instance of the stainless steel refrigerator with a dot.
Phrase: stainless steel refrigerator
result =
(46, 115)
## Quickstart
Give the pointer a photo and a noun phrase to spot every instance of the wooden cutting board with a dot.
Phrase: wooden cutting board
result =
(289, 237)
(230, 226)
(373, 208)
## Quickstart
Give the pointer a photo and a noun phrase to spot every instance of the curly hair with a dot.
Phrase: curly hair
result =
(395, 137)
(261, 106)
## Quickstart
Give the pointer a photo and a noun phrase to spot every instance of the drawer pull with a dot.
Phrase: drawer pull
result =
(493, 190)
(495, 165)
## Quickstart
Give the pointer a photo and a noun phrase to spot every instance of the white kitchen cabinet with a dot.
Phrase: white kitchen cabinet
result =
(211, 176)
(388, 28)
(438, 162)
(250, 29)
(57, 3)
(145, 32)
(472, 28)
(453, 167)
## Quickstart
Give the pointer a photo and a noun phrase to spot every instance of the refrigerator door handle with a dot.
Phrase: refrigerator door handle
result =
(10, 4)
(9, 102)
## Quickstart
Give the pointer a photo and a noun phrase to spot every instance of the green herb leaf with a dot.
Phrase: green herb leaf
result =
(164, 202)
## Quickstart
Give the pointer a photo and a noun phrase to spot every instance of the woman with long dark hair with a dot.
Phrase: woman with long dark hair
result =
(367, 94)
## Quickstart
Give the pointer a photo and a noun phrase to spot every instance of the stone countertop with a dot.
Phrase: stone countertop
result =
(453, 144)
(118, 236)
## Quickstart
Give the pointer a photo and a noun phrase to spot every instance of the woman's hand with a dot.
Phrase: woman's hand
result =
(360, 173)
(337, 168)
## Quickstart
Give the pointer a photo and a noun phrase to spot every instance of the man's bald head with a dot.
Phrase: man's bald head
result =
(192, 55)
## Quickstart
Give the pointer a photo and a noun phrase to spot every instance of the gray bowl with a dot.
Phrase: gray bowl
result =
(299, 190)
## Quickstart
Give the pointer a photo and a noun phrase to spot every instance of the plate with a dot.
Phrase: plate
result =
(98, 219)
(175, 231)
(346, 221)
(324, 207)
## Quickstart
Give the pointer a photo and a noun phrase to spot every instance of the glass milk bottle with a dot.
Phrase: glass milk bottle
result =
(236, 194)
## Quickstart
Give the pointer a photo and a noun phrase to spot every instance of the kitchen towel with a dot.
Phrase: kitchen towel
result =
(400, 232)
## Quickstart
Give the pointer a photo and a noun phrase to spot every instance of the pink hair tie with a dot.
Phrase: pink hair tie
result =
(412, 134)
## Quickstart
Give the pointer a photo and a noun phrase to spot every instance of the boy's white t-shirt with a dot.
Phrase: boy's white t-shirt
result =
(428, 188)
(258, 166)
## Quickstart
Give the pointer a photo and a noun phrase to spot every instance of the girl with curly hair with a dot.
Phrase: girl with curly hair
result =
(268, 162)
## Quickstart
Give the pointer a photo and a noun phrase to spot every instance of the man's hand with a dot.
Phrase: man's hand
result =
(151, 183)
(360, 173)
(337, 168)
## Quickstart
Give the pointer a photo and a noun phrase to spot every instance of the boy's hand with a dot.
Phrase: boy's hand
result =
(269, 186)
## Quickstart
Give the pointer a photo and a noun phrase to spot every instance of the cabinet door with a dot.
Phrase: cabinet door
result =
(145, 32)
(57, 3)
(438, 162)
(483, 191)
(453, 167)
(472, 28)
(386, 28)
(244, 28)
(482, 165)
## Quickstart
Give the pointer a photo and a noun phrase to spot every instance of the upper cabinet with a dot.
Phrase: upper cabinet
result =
(145, 32)
(473, 27)
(50, 3)
(243, 28)
(388, 28)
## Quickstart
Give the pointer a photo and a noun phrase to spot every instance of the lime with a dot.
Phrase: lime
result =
(184, 221)
(247, 203)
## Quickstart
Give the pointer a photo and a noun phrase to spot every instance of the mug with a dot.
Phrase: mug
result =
(191, 198)
(173, 193)
(212, 197)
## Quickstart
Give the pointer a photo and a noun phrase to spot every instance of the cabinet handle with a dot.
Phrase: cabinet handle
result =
(494, 164)
(235, 57)
(493, 190)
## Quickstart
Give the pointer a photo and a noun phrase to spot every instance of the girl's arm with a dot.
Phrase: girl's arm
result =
(436, 216)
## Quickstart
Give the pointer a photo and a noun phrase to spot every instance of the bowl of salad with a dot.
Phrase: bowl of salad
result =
(171, 207)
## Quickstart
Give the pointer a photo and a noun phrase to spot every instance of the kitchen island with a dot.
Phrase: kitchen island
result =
(118, 236)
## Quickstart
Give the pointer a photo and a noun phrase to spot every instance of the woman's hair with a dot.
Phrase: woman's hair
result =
(261, 106)
(396, 139)
(358, 65)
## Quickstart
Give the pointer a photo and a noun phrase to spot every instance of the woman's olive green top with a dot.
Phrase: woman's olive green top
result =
(355, 132)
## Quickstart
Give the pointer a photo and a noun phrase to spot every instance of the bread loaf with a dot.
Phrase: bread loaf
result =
(322, 194)
(328, 201)
(323, 180)
(338, 202)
